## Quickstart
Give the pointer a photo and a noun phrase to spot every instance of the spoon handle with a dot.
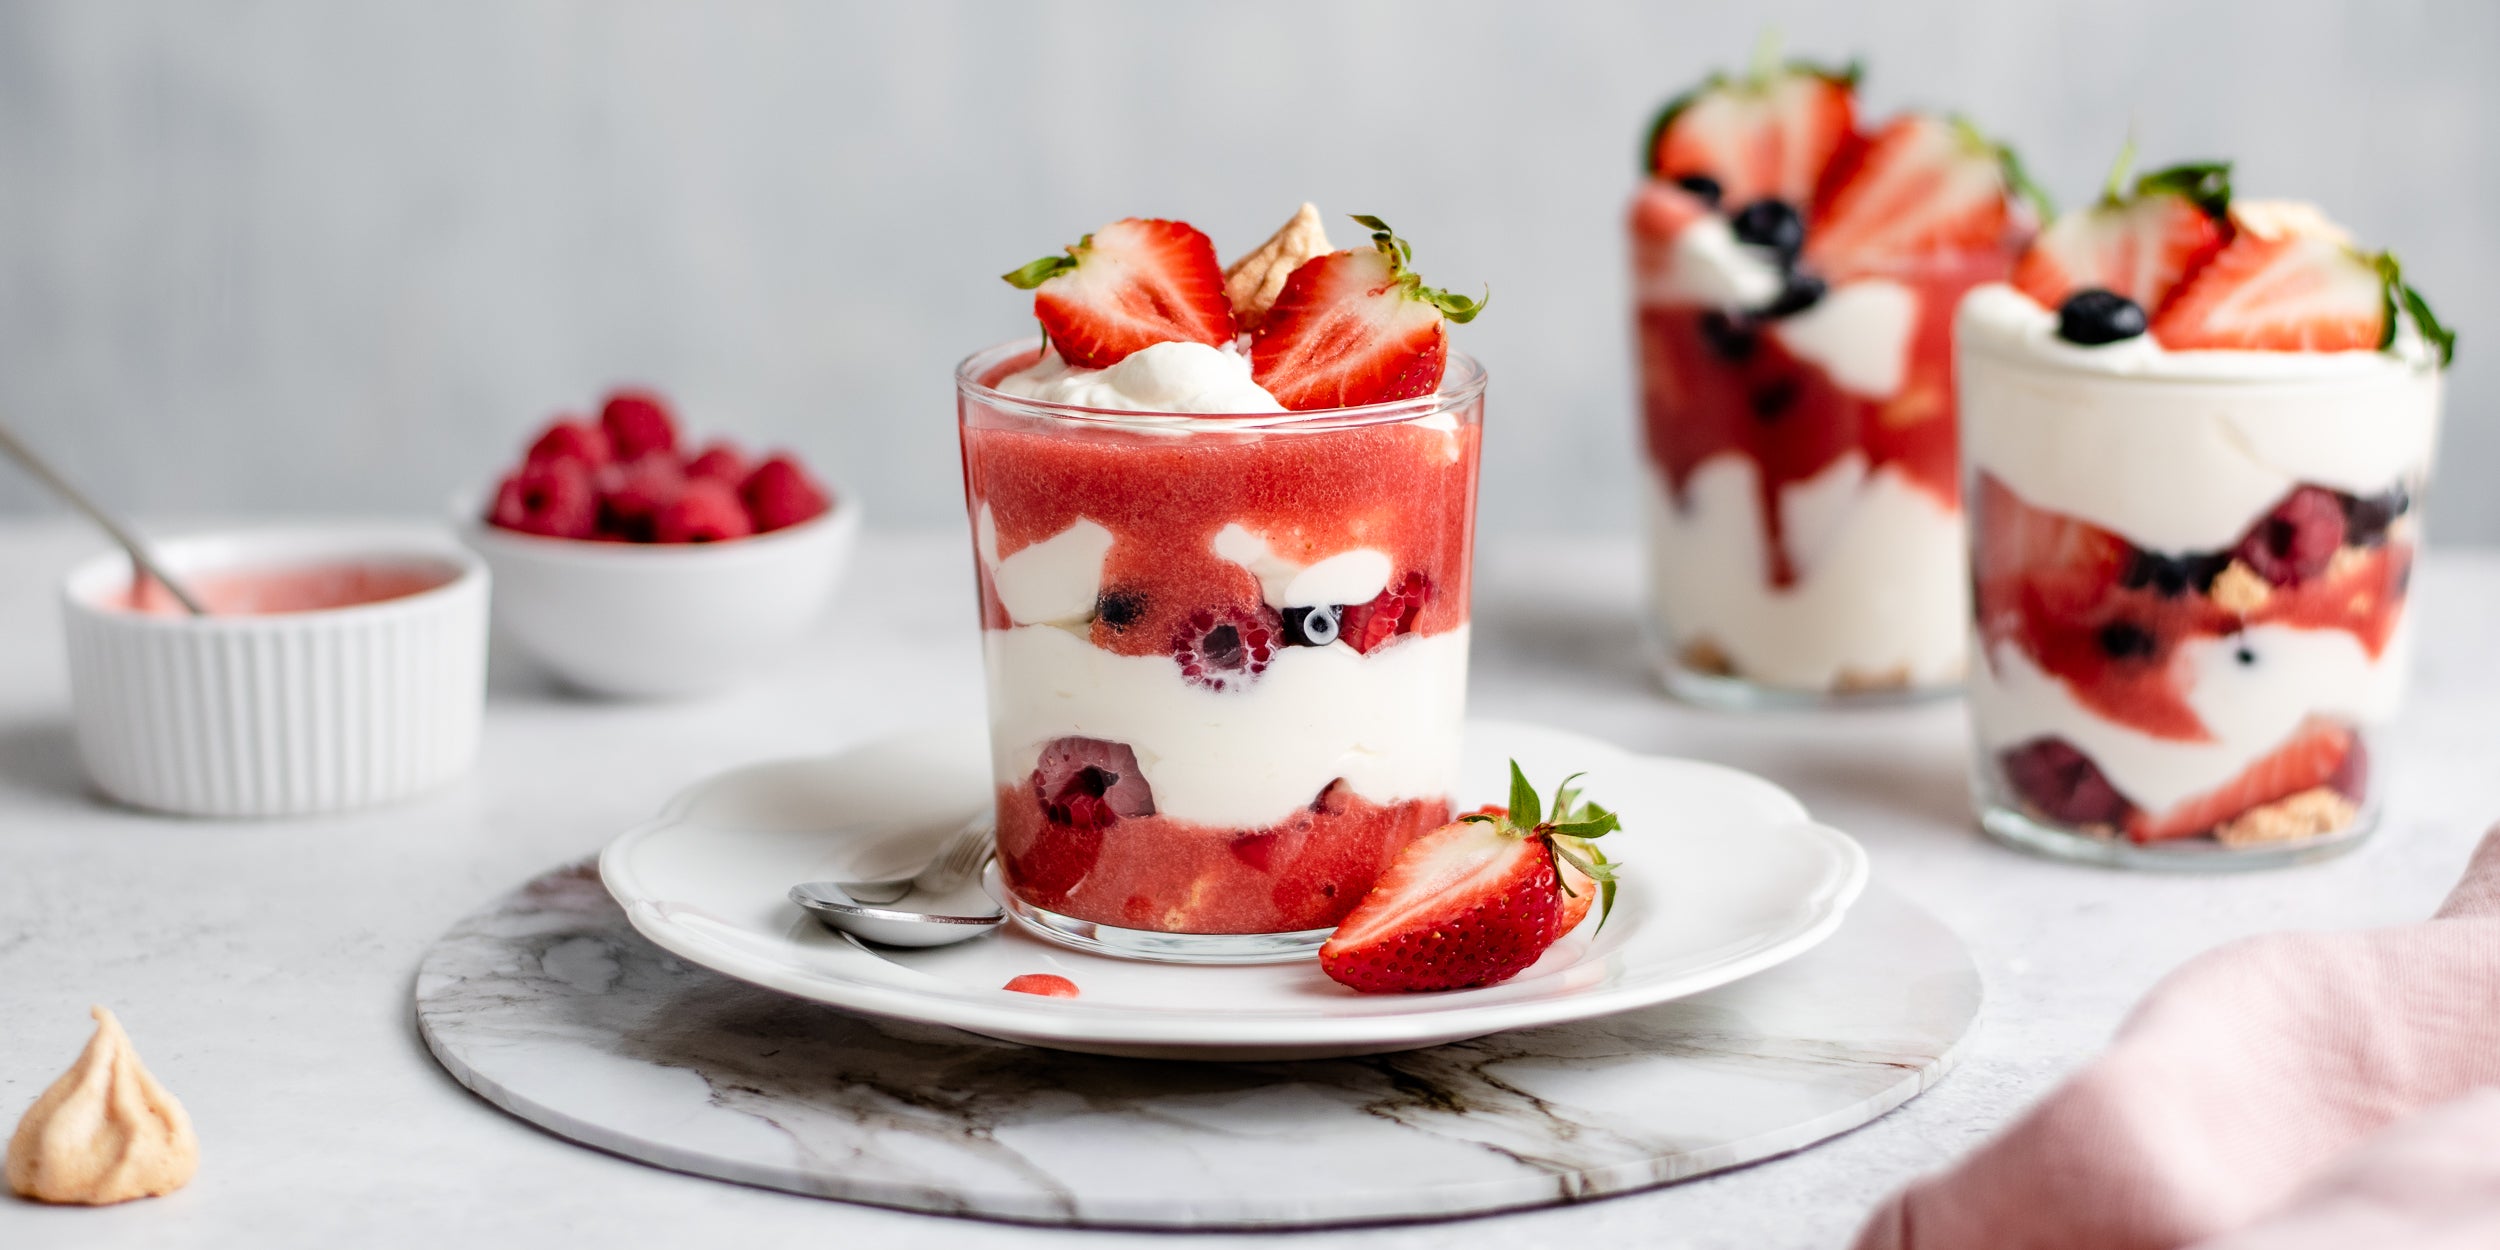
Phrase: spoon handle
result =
(43, 472)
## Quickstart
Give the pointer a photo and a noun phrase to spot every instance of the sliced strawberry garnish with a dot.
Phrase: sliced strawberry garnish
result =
(2311, 759)
(1925, 186)
(1477, 900)
(2141, 245)
(2290, 282)
(1767, 136)
(1356, 327)
(1132, 284)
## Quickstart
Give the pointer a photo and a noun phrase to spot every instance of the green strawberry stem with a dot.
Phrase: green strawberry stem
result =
(1567, 828)
(1458, 308)
(2403, 299)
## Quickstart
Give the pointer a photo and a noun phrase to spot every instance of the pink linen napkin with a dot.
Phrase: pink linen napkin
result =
(2291, 1092)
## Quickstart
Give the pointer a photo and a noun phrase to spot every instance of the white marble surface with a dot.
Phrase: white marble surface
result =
(265, 969)
(547, 1003)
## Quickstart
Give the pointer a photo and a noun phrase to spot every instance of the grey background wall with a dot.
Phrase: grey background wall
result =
(292, 257)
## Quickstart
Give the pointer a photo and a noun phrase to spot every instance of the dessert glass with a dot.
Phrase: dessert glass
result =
(2190, 578)
(1226, 656)
(1804, 510)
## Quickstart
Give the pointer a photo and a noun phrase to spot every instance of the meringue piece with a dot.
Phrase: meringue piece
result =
(1253, 282)
(105, 1132)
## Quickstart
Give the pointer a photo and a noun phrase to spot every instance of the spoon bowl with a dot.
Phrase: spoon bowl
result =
(887, 926)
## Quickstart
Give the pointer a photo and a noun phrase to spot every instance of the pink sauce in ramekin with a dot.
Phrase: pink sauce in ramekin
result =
(276, 591)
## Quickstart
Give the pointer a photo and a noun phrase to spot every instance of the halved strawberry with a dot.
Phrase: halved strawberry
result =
(1132, 284)
(1924, 186)
(1356, 327)
(1767, 136)
(2311, 759)
(2142, 244)
(1477, 900)
(2290, 282)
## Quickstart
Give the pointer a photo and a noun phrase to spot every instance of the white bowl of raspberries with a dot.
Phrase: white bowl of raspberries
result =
(631, 563)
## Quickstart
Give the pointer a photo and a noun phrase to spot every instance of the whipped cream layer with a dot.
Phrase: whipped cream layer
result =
(2251, 705)
(1163, 377)
(1881, 593)
(1388, 723)
(2181, 451)
(1859, 332)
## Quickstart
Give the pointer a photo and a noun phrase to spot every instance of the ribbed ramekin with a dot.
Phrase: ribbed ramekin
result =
(281, 714)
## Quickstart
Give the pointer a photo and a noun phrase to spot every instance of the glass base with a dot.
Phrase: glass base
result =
(2020, 829)
(1727, 692)
(1172, 948)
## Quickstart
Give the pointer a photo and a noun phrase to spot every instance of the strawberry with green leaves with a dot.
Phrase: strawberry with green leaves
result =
(1356, 327)
(1478, 900)
(2135, 242)
(2292, 281)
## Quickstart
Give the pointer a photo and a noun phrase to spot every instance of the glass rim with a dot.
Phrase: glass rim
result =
(1461, 385)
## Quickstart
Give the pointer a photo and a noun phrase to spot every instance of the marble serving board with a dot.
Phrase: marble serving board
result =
(549, 1005)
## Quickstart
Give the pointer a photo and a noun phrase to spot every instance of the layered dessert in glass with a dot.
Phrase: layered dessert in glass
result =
(1222, 522)
(1795, 277)
(2197, 432)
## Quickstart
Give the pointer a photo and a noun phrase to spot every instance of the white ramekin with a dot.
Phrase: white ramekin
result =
(287, 713)
(663, 620)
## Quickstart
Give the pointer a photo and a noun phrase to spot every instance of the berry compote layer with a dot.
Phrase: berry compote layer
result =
(1227, 656)
(1805, 510)
(1795, 276)
(2190, 573)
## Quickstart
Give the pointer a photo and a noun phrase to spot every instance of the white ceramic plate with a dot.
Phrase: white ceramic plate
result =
(1724, 876)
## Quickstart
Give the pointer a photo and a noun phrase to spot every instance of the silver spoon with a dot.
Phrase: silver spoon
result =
(956, 861)
(24, 455)
(834, 904)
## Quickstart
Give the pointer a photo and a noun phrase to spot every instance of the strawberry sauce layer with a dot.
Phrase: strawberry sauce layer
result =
(1404, 490)
(2108, 619)
(1152, 872)
(1716, 382)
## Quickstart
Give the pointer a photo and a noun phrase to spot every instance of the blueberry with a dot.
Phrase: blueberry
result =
(2366, 519)
(1773, 224)
(1729, 338)
(1772, 399)
(2126, 640)
(1704, 188)
(1120, 609)
(1311, 627)
(2172, 576)
(1803, 291)
(2093, 316)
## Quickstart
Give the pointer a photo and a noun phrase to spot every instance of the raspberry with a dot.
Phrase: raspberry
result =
(779, 493)
(1089, 783)
(2296, 540)
(720, 459)
(638, 423)
(2064, 784)
(1364, 626)
(707, 512)
(554, 498)
(578, 441)
(1227, 648)
(631, 495)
